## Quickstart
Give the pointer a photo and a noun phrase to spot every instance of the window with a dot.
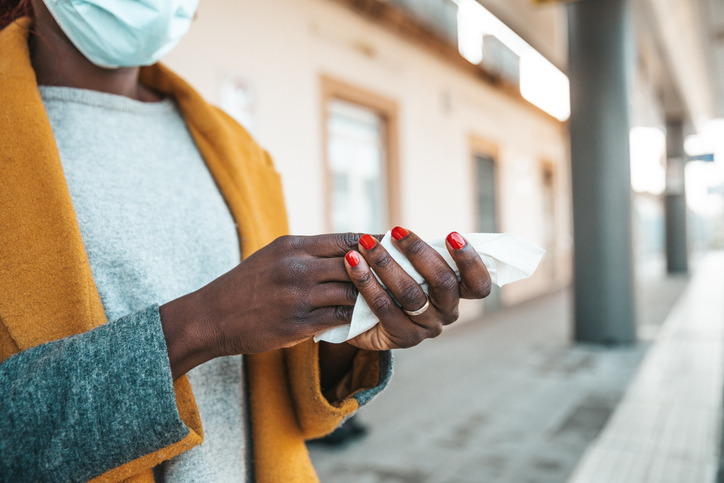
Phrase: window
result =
(549, 217)
(486, 193)
(360, 149)
(356, 163)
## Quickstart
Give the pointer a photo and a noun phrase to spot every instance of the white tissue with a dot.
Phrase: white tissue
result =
(508, 258)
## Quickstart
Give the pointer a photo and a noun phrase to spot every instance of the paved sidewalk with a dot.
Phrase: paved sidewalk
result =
(504, 399)
(667, 427)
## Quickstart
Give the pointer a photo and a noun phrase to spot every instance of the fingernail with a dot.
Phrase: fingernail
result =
(352, 259)
(455, 240)
(367, 242)
(398, 233)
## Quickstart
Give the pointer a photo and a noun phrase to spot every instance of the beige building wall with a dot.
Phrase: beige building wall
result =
(284, 47)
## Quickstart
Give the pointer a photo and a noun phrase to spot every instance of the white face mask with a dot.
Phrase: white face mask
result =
(123, 33)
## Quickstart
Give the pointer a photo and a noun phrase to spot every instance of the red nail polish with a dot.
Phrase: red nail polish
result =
(455, 240)
(367, 242)
(398, 233)
(352, 259)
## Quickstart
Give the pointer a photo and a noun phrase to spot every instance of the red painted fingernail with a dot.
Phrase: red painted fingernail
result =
(352, 259)
(368, 242)
(455, 240)
(398, 233)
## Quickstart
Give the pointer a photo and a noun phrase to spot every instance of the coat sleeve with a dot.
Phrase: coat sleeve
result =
(319, 414)
(77, 407)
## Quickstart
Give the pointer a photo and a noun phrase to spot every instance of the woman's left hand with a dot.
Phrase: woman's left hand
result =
(397, 328)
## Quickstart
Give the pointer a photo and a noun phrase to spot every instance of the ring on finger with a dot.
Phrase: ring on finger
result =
(421, 310)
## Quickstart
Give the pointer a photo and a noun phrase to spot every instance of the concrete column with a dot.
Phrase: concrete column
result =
(675, 199)
(599, 65)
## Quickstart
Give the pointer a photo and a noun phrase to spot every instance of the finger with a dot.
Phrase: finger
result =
(475, 280)
(328, 317)
(333, 293)
(329, 270)
(443, 287)
(404, 288)
(401, 329)
(330, 245)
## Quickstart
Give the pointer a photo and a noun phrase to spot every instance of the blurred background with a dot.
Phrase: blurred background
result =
(593, 128)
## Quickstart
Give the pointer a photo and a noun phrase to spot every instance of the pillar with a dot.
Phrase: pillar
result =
(600, 63)
(675, 199)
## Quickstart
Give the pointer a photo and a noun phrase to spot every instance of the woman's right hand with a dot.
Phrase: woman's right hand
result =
(281, 295)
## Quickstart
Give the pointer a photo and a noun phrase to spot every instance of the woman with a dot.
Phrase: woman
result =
(125, 202)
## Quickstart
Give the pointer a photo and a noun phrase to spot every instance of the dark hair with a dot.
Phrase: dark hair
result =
(11, 10)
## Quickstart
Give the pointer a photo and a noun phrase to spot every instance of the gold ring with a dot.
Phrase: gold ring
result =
(421, 310)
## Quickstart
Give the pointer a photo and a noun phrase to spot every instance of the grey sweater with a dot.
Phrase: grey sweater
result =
(155, 227)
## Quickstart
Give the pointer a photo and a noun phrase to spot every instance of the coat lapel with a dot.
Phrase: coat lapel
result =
(46, 287)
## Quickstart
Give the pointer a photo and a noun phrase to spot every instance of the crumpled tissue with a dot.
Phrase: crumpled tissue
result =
(507, 257)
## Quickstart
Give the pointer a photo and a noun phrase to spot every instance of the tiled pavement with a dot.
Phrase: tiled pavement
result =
(667, 427)
(505, 399)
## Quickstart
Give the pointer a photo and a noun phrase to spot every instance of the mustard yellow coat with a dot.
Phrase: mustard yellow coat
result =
(47, 291)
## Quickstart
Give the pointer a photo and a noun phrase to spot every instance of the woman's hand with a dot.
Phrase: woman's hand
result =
(397, 329)
(298, 286)
(281, 295)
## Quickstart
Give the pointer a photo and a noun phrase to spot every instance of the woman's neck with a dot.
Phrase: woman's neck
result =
(57, 62)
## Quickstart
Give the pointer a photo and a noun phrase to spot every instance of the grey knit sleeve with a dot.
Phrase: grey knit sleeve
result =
(74, 408)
